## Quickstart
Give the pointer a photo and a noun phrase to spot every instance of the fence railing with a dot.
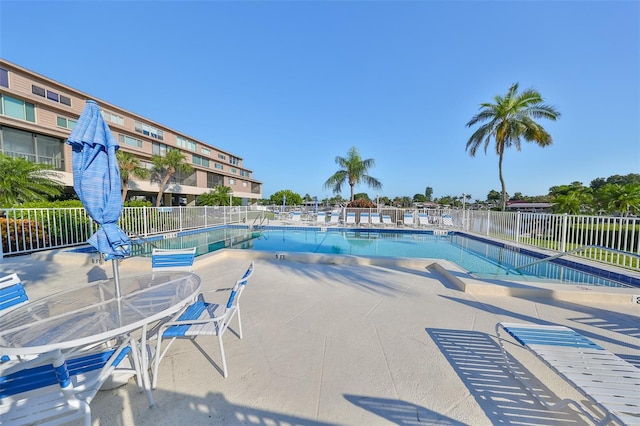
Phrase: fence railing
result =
(30, 230)
(612, 240)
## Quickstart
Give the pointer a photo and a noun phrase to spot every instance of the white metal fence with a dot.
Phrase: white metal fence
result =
(612, 240)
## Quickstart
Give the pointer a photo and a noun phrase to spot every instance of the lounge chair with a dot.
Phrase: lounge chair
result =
(375, 219)
(334, 219)
(447, 220)
(423, 219)
(351, 218)
(202, 318)
(296, 217)
(321, 218)
(610, 383)
(172, 259)
(364, 219)
(12, 293)
(408, 219)
(386, 220)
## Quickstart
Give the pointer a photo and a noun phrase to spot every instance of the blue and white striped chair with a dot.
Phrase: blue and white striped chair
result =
(54, 389)
(172, 259)
(202, 318)
(12, 293)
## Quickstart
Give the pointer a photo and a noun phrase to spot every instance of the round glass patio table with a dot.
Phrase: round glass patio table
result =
(91, 313)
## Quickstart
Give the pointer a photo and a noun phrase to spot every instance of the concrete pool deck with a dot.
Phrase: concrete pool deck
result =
(339, 340)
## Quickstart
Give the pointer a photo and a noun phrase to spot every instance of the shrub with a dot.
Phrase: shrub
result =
(21, 235)
(361, 203)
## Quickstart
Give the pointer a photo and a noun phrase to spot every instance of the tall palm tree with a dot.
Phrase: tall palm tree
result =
(166, 166)
(623, 199)
(353, 169)
(22, 181)
(511, 118)
(129, 166)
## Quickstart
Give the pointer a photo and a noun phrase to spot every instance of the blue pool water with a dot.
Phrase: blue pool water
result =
(482, 258)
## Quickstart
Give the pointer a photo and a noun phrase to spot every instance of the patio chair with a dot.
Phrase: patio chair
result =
(423, 219)
(334, 219)
(202, 318)
(447, 220)
(296, 217)
(607, 381)
(351, 218)
(364, 219)
(375, 219)
(54, 389)
(408, 219)
(321, 218)
(12, 293)
(386, 220)
(172, 259)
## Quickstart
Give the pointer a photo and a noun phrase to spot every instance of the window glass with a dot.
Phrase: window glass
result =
(37, 90)
(62, 122)
(52, 95)
(18, 143)
(71, 124)
(30, 112)
(49, 151)
(65, 100)
(13, 107)
(4, 78)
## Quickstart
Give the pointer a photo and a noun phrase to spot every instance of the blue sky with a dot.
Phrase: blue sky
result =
(290, 85)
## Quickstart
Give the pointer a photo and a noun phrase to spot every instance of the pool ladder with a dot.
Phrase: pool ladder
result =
(546, 259)
(262, 216)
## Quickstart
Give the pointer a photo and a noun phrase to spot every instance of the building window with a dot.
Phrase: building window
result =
(245, 173)
(245, 183)
(17, 108)
(205, 151)
(147, 130)
(200, 161)
(233, 170)
(38, 90)
(186, 143)
(66, 123)
(234, 160)
(4, 77)
(159, 149)
(37, 148)
(114, 118)
(214, 179)
(219, 166)
(129, 141)
(232, 181)
(53, 96)
(222, 156)
(65, 100)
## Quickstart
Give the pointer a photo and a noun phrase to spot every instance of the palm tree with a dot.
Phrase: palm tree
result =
(353, 170)
(220, 195)
(22, 181)
(166, 166)
(511, 119)
(623, 199)
(129, 166)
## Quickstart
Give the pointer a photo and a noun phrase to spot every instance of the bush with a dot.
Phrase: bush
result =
(361, 203)
(24, 234)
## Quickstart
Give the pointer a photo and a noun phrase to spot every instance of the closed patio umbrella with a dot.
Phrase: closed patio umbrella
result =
(96, 179)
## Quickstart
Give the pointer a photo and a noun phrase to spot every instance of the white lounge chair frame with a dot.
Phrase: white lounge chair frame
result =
(12, 293)
(375, 219)
(351, 218)
(610, 383)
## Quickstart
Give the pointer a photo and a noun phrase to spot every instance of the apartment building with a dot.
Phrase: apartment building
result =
(37, 115)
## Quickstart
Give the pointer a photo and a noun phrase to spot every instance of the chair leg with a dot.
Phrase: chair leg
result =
(224, 361)
(158, 357)
(239, 322)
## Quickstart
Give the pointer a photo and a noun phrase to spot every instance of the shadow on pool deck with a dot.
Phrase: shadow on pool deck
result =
(342, 341)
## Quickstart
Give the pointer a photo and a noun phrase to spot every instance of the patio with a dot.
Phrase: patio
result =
(345, 345)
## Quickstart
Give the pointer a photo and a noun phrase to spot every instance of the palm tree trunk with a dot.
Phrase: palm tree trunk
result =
(163, 184)
(351, 191)
(125, 189)
(504, 187)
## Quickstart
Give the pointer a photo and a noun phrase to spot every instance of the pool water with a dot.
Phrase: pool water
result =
(480, 258)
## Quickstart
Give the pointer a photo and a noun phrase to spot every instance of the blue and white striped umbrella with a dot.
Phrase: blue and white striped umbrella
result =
(96, 179)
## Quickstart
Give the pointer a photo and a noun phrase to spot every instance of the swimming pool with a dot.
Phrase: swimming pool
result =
(482, 258)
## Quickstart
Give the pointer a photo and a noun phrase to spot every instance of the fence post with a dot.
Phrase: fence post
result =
(488, 221)
(563, 240)
(145, 222)
(180, 219)
(518, 220)
(206, 217)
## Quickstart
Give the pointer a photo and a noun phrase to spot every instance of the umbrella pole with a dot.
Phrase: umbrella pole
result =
(116, 277)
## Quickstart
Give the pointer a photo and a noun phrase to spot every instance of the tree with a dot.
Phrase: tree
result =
(353, 170)
(166, 166)
(22, 181)
(129, 166)
(220, 195)
(292, 198)
(360, 195)
(623, 199)
(511, 119)
(419, 198)
(428, 193)
(572, 202)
